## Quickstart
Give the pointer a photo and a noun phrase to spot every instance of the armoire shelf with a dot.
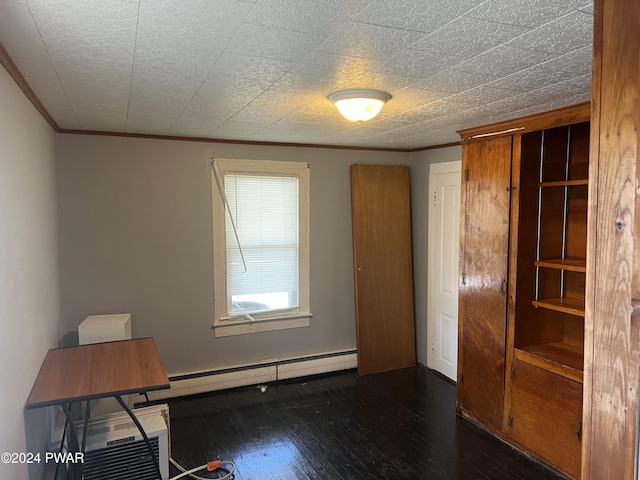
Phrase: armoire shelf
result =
(567, 264)
(572, 306)
(562, 358)
(548, 353)
(565, 183)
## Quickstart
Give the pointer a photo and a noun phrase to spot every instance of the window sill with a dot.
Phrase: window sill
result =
(227, 328)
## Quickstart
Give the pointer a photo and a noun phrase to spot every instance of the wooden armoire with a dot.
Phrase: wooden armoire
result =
(522, 282)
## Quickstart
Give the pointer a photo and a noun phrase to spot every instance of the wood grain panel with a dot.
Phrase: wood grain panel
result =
(613, 253)
(579, 148)
(550, 282)
(574, 331)
(537, 325)
(98, 370)
(381, 215)
(567, 264)
(547, 412)
(546, 338)
(577, 223)
(522, 181)
(561, 358)
(484, 261)
(555, 154)
(568, 305)
(530, 325)
(574, 283)
(530, 123)
(551, 223)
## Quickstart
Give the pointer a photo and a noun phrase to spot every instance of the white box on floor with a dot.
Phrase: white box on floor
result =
(105, 328)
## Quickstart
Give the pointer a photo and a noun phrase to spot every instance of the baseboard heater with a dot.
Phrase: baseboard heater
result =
(253, 374)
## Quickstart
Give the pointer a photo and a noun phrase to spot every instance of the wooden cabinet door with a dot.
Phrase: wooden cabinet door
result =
(381, 217)
(546, 416)
(484, 255)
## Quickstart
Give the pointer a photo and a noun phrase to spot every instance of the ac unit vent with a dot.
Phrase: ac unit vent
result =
(128, 460)
(115, 449)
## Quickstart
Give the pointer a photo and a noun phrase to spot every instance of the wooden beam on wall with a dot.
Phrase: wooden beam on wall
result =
(612, 337)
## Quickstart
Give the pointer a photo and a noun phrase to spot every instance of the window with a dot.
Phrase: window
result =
(261, 245)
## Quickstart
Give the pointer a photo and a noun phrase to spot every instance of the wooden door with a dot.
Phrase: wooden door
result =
(444, 240)
(484, 255)
(381, 216)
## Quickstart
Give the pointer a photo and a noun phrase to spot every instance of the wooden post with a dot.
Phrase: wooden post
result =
(612, 364)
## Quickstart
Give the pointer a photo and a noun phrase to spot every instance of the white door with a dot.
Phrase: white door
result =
(442, 296)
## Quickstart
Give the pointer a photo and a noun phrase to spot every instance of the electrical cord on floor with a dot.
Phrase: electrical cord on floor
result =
(210, 467)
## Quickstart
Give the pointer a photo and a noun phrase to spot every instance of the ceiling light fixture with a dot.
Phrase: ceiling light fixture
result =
(359, 105)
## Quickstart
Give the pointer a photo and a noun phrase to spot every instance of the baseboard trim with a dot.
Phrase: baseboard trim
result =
(202, 381)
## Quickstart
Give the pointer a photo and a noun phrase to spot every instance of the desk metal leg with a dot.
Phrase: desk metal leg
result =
(85, 429)
(144, 435)
(76, 468)
(62, 439)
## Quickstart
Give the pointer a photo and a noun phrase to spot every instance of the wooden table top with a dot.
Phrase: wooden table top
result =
(97, 370)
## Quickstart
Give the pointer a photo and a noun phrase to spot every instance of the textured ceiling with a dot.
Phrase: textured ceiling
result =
(260, 70)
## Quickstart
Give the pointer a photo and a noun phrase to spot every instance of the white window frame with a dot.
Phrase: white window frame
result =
(223, 324)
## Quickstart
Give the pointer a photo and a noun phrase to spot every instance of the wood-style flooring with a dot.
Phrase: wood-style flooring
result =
(394, 425)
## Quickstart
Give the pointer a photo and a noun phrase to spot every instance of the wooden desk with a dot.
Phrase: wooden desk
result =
(98, 370)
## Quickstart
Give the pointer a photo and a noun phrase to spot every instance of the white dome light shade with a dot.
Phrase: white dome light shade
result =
(359, 105)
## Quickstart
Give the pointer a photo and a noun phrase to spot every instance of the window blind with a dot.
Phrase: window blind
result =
(265, 211)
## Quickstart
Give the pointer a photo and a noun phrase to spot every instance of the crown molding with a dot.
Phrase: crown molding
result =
(11, 67)
(558, 117)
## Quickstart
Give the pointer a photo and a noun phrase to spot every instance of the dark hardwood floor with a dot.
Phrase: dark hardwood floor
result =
(395, 425)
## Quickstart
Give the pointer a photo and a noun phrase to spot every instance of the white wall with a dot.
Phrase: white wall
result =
(29, 293)
(136, 236)
(419, 163)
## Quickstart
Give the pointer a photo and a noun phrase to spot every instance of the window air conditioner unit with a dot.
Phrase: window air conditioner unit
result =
(116, 450)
